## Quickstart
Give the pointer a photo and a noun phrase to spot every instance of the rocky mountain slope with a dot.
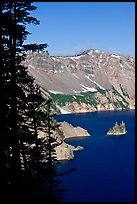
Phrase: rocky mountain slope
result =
(91, 81)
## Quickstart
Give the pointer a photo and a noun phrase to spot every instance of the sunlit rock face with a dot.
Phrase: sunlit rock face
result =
(92, 71)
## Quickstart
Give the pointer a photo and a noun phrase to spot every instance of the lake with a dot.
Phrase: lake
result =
(105, 170)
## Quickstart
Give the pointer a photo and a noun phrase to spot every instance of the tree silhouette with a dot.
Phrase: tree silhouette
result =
(13, 82)
(52, 181)
(26, 160)
(35, 47)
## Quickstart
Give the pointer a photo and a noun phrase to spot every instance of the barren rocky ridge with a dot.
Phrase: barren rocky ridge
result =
(99, 73)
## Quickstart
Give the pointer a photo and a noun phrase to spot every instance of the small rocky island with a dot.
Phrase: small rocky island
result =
(118, 129)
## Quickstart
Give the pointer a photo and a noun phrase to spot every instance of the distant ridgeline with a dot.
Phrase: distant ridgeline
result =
(117, 129)
(91, 81)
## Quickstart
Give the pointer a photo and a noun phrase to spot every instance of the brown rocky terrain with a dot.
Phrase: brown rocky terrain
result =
(92, 71)
(70, 131)
(64, 151)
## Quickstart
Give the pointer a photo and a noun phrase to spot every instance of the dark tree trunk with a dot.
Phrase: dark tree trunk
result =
(16, 164)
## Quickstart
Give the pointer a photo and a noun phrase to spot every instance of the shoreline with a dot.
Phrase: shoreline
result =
(68, 113)
(65, 150)
(73, 137)
(71, 131)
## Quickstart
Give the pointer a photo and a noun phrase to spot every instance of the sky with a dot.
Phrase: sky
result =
(69, 28)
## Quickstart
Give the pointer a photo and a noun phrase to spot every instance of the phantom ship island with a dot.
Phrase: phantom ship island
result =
(117, 129)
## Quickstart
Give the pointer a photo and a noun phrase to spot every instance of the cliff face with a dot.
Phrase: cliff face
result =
(92, 81)
(64, 151)
(70, 131)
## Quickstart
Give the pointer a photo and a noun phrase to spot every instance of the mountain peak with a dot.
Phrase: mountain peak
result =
(89, 71)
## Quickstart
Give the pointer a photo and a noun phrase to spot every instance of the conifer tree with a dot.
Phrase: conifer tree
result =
(22, 152)
(51, 142)
(13, 81)
(35, 47)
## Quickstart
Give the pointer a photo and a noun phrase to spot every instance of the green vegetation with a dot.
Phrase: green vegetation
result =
(91, 98)
(61, 99)
(102, 91)
(109, 101)
(87, 97)
(124, 91)
(120, 104)
(116, 93)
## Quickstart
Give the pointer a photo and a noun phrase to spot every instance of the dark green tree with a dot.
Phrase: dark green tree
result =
(23, 170)
(13, 81)
(41, 47)
(51, 142)
(35, 47)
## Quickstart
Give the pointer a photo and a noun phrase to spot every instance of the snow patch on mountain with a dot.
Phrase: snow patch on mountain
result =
(76, 57)
(116, 56)
(91, 75)
(127, 64)
(95, 83)
(97, 51)
(74, 97)
(75, 91)
(85, 88)
(121, 65)
(75, 75)
(31, 66)
(55, 92)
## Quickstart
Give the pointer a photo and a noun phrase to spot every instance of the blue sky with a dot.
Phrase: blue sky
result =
(72, 27)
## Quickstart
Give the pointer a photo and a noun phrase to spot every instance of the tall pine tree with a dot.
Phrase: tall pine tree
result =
(23, 167)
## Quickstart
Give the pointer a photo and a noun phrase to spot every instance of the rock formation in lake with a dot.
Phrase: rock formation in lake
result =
(117, 129)
(91, 81)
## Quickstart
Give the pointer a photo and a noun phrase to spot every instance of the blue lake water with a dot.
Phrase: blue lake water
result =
(105, 169)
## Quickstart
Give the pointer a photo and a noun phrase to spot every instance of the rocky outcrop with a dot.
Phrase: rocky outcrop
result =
(65, 151)
(117, 129)
(70, 131)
